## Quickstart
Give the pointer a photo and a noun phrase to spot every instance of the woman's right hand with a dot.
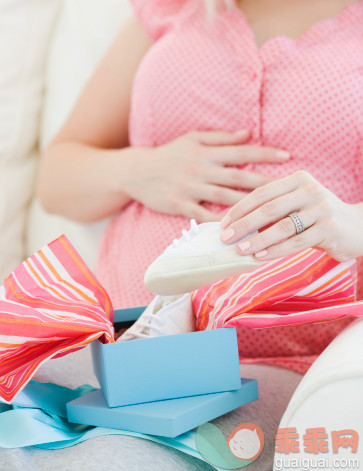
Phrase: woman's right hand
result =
(178, 177)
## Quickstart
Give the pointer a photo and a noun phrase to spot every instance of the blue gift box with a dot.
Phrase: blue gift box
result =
(168, 367)
(166, 418)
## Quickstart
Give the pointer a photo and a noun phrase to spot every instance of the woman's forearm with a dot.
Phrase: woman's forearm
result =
(81, 182)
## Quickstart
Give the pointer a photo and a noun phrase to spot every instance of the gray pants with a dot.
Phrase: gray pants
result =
(114, 453)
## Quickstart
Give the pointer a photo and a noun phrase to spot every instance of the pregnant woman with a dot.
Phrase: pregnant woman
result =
(196, 104)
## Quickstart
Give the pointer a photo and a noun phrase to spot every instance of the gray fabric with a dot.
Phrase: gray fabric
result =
(114, 453)
(276, 386)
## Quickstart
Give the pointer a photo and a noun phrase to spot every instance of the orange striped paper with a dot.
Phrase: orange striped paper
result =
(304, 288)
(51, 305)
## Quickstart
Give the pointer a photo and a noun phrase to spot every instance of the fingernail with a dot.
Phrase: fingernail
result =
(225, 221)
(244, 245)
(261, 254)
(283, 154)
(227, 235)
(242, 132)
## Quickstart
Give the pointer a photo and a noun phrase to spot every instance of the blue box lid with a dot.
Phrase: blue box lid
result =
(167, 418)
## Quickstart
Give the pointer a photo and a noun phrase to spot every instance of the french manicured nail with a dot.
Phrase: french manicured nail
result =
(225, 221)
(283, 154)
(261, 254)
(227, 235)
(244, 245)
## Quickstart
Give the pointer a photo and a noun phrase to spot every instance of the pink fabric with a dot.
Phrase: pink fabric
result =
(303, 95)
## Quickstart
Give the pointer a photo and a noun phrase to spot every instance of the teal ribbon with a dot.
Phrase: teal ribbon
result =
(38, 418)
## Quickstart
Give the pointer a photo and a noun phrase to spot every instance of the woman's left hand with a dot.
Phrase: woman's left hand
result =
(329, 223)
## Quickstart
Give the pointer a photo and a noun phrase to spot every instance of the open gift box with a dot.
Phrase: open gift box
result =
(193, 376)
(168, 367)
(163, 386)
(159, 385)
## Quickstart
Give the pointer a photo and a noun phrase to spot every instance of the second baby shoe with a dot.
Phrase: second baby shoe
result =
(197, 259)
(165, 315)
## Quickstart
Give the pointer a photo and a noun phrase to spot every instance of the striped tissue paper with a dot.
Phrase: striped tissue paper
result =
(50, 305)
(304, 288)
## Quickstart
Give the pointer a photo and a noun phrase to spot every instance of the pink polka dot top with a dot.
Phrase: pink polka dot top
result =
(304, 95)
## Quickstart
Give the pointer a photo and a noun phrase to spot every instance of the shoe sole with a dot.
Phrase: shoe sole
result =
(187, 280)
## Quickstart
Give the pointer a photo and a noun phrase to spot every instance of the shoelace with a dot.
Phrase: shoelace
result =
(146, 324)
(187, 235)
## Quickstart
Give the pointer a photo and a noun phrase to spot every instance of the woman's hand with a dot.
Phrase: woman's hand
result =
(178, 177)
(330, 224)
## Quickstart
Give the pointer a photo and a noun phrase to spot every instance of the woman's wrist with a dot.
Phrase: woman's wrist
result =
(123, 163)
(129, 171)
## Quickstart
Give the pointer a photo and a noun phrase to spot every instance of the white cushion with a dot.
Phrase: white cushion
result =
(25, 29)
(83, 33)
(330, 396)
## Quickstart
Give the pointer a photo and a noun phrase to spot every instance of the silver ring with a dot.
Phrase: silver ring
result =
(299, 225)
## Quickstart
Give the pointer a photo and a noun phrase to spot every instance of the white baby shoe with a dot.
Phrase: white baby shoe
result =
(165, 315)
(197, 259)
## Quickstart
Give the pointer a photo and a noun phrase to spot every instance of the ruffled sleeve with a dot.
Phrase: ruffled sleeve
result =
(160, 16)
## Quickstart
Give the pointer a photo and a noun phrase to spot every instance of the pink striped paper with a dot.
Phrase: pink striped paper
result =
(50, 305)
(304, 288)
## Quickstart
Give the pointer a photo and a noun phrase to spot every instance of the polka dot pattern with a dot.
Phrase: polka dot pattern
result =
(303, 95)
(294, 347)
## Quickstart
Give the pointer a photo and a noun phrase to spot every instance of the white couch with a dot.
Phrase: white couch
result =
(48, 49)
(330, 395)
